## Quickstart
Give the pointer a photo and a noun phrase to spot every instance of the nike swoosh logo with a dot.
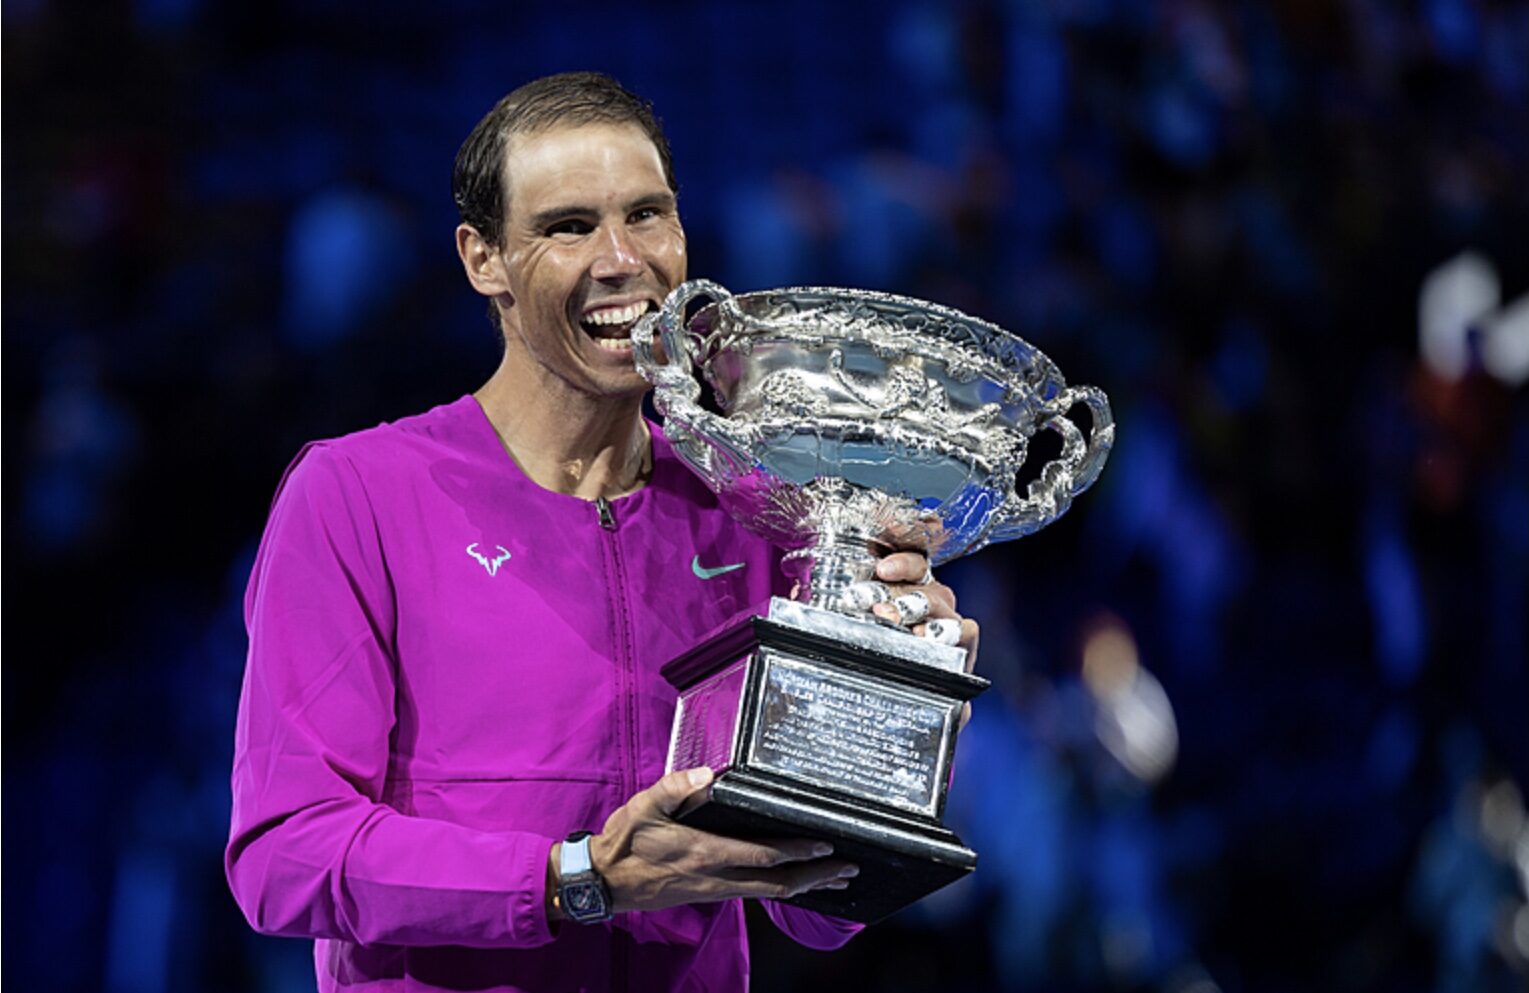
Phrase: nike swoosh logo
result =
(702, 572)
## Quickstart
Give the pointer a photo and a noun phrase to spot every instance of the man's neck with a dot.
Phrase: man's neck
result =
(566, 441)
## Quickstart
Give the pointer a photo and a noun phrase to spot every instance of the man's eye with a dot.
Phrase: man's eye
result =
(644, 214)
(574, 227)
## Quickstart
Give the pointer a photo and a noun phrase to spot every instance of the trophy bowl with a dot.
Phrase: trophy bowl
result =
(840, 425)
(843, 421)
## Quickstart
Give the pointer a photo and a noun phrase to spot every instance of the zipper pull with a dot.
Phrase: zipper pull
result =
(607, 519)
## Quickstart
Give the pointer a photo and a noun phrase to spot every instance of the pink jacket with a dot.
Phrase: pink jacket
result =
(450, 669)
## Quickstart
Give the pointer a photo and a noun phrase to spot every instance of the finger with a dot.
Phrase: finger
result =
(843, 873)
(734, 853)
(902, 567)
(911, 607)
(944, 630)
(866, 595)
(671, 792)
(942, 599)
(971, 634)
(914, 607)
(788, 881)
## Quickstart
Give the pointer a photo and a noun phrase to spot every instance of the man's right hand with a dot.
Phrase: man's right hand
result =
(650, 861)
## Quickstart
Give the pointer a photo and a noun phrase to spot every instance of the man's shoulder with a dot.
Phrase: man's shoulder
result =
(390, 458)
(392, 445)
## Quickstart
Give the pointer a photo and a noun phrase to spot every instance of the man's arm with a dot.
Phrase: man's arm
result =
(313, 851)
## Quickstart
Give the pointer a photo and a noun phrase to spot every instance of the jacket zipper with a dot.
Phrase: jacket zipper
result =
(626, 692)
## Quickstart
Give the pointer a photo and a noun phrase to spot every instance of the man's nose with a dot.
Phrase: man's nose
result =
(616, 255)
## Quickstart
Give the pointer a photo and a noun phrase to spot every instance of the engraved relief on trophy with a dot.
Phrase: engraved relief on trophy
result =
(788, 392)
(907, 389)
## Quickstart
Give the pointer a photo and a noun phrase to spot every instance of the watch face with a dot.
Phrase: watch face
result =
(585, 900)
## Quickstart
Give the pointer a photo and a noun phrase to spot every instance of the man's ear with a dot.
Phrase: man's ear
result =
(484, 267)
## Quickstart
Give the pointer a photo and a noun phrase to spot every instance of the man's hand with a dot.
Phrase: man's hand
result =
(650, 861)
(906, 572)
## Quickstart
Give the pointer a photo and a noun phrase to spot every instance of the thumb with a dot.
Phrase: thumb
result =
(674, 789)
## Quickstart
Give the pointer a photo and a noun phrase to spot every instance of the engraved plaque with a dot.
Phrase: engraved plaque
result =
(706, 722)
(855, 735)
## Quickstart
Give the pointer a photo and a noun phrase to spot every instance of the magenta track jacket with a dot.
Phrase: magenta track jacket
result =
(450, 669)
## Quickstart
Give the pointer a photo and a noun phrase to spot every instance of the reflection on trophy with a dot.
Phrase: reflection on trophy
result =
(844, 423)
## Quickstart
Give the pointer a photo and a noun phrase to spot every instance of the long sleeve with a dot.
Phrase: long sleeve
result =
(313, 851)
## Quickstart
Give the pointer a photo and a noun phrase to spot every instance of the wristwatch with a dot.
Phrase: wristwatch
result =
(582, 895)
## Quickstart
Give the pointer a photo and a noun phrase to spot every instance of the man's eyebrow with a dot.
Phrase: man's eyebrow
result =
(542, 219)
(664, 200)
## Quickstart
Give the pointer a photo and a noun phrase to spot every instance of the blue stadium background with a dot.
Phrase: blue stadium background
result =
(1287, 237)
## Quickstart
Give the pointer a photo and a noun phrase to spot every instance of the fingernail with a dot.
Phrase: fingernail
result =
(835, 886)
(884, 610)
(849, 872)
(700, 777)
(821, 849)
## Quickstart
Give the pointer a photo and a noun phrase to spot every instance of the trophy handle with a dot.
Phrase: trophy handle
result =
(1065, 476)
(705, 441)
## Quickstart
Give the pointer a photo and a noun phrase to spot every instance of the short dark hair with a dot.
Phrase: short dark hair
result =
(568, 99)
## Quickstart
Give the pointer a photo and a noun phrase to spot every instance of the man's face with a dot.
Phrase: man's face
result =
(592, 241)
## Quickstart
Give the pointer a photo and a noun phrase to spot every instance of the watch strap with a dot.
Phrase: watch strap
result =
(573, 857)
(583, 896)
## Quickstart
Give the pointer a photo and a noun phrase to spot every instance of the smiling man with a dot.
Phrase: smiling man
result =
(457, 621)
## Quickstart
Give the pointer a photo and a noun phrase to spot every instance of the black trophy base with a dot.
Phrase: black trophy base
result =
(900, 860)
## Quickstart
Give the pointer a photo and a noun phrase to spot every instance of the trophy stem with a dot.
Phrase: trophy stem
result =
(824, 569)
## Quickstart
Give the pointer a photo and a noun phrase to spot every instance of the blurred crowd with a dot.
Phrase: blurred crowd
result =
(1260, 716)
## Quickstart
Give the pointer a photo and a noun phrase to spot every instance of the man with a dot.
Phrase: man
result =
(457, 619)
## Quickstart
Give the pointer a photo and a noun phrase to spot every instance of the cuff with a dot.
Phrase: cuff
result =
(528, 922)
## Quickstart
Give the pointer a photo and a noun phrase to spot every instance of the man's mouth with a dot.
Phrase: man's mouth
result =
(610, 325)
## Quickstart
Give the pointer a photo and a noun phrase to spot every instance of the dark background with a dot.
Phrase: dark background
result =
(227, 230)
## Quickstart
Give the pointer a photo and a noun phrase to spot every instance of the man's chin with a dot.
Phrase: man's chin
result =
(615, 384)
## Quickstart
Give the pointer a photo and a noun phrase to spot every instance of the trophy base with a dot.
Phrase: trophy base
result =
(833, 728)
(900, 862)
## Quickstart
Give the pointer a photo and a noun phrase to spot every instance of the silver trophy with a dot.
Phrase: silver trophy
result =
(842, 424)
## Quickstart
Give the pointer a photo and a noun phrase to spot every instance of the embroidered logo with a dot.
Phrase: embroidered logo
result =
(492, 565)
(702, 572)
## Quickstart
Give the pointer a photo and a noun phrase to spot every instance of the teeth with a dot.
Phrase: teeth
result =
(615, 344)
(616, 315)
